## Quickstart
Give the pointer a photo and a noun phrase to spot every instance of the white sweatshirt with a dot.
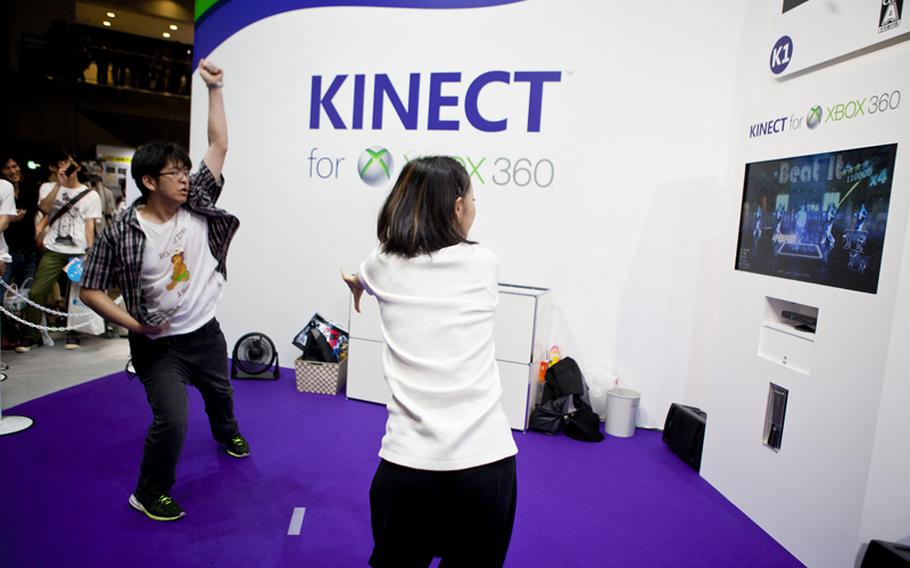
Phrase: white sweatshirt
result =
(439, 358)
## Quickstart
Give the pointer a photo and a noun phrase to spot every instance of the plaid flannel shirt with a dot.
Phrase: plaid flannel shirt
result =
(116, 257)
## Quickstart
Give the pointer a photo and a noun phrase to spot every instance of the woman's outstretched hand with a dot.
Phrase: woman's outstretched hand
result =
(353, 282)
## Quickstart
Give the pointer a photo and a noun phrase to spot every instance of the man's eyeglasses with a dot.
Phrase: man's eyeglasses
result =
(177, 172)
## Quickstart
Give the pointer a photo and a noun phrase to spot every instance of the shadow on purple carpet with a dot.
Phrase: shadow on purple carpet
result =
(64, 485)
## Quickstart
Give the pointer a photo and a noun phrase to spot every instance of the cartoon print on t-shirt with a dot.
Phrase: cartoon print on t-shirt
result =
(64, 227)
(181, 272)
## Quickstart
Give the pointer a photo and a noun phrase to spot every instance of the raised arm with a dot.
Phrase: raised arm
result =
(217, 127)
(46, 204)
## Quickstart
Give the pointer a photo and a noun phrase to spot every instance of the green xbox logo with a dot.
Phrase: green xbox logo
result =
(814, 118)
(375, 165)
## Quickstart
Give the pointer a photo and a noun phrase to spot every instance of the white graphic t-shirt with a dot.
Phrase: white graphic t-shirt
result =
(7, 207)
(180, 279)
(67, 234)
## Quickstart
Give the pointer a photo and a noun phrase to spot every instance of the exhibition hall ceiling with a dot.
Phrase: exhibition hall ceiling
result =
(165, 20)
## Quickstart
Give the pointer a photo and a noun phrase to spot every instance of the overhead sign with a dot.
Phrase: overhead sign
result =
(809, 33)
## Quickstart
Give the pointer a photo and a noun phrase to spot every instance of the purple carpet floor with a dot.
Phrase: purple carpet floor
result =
(64, 485)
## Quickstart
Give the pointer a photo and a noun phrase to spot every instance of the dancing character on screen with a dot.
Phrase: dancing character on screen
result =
(173, 231)
(801, 218)
(778, 221)
(756, 230)
(861, 217)
(828, 236)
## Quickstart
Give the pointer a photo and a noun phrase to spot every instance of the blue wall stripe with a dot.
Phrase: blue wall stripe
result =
(228, 17)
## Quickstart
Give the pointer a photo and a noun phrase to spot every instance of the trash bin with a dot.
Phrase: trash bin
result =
(622, 408)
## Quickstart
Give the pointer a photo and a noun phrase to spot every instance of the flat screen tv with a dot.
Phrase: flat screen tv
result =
(819, 218)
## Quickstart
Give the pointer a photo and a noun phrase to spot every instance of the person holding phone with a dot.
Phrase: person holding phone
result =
(66, 232)
(167, 253)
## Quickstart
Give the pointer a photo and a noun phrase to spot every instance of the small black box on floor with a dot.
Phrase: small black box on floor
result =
(881, 554)
(684, 432)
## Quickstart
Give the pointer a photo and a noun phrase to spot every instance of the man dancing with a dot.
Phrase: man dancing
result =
(175, 339)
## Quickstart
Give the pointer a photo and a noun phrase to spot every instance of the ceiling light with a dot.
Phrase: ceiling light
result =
(166, 35)
(106, 24)
(173, 27)
(32, 165)
(111, 15)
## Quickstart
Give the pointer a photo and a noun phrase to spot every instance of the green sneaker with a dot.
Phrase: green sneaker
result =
(237, 447)
(162, 508)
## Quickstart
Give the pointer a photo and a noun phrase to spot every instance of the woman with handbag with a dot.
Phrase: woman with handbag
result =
(446, 485)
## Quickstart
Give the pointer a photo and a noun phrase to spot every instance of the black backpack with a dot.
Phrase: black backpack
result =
(562, 404)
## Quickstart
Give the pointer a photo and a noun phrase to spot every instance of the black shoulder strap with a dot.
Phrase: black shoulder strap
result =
(62, 211)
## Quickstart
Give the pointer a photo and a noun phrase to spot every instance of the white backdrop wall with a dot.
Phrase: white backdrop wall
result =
(647, 131)
(886, 514)
(840, 476)
(637, 130)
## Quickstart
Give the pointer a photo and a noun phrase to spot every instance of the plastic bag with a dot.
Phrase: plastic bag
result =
(600, 378)
(322, 340)
(75, 305)
(14, 297)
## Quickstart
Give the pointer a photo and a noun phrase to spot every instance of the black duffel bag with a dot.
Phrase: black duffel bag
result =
(549, 416)
(562, 404)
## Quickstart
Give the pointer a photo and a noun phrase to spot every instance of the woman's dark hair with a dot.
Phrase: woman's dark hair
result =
(151, 158)
(418, 217)
(6, 156)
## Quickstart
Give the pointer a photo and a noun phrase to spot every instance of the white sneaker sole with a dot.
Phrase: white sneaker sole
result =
(135, 504)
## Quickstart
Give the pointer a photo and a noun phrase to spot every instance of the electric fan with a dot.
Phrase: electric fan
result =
(255, 357)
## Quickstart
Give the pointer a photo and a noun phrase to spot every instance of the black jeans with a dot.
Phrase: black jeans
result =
(464, 516)
(165, 366)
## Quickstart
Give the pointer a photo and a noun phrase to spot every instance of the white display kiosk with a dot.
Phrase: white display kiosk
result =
(522, 331)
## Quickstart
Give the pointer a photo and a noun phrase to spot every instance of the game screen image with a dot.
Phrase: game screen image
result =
(818, 218)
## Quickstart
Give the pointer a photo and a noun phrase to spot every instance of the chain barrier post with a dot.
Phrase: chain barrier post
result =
(11, 424)
(14, 424)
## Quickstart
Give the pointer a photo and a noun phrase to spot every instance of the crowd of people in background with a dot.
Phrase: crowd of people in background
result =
(45, 223)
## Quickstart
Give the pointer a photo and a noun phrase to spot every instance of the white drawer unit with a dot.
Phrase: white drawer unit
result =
(522, 332)
(365, 380)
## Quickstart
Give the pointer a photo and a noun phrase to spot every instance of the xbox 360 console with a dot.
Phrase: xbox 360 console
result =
(806, 323)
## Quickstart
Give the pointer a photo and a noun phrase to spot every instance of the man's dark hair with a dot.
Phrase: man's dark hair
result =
(418, 217)
(151, 158)
(62, 155)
